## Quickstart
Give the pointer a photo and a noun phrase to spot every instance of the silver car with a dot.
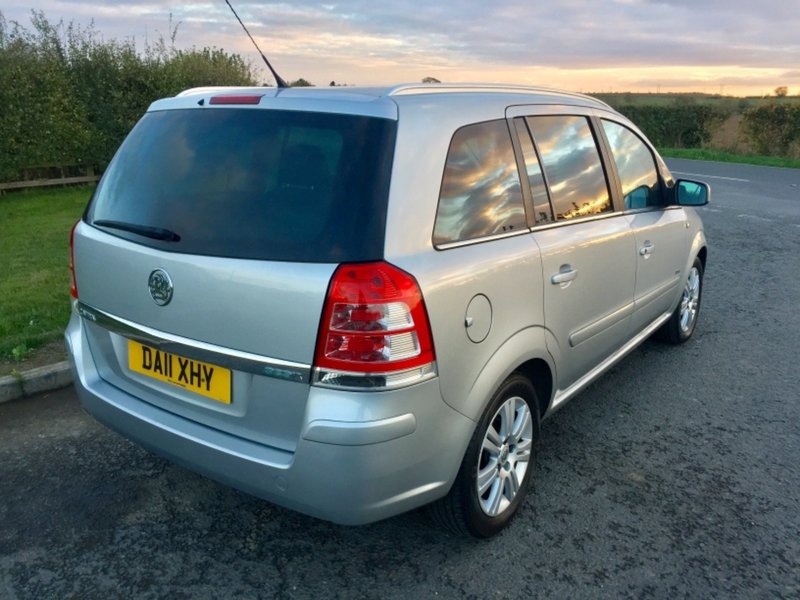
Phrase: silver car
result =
(353, 302)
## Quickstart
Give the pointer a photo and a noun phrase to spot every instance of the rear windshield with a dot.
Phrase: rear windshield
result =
(251, 183)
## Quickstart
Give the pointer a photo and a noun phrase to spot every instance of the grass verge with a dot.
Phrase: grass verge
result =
(730, 157)
(34, 281)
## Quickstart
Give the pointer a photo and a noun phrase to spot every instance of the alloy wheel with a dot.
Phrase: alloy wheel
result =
(505, 456)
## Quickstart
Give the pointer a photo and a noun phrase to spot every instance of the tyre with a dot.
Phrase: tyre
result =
(681, 324)
(496, 471)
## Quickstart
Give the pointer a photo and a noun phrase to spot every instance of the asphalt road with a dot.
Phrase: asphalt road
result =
(675, 475)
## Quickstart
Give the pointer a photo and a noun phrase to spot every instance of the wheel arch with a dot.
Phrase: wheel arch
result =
(702, 254)
(699, 249)
(526, 353)
(538, 372)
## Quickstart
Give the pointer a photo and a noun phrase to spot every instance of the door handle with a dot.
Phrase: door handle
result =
(647, 249)
(565, 274)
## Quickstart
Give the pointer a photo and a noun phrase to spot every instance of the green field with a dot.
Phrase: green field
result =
(722, 156)
(34, 284)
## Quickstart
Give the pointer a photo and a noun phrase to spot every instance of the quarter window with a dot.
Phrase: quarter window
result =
(572, 166)
(480, 193)
(637, 171)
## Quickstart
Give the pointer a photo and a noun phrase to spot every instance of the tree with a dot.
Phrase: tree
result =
(301, 83)
(430, 80)
(781, 91)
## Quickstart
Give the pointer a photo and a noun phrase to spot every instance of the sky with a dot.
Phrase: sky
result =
(731, 47)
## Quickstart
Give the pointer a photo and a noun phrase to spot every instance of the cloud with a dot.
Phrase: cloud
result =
(364, 41)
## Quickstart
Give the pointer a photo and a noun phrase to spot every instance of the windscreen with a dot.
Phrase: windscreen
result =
(251, 183)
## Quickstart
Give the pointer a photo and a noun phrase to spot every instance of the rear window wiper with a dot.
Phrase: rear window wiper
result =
(156, 233)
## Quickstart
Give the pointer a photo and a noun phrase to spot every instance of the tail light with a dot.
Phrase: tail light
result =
(374, 331)
(73, 287)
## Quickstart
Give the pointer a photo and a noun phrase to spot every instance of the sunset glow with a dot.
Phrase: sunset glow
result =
(730, 47)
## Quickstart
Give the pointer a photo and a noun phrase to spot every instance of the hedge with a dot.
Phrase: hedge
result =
(774, 129)
(69, 97)
(677, 126)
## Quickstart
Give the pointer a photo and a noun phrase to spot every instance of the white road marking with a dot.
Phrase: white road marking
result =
(702, 176)
(755, 218)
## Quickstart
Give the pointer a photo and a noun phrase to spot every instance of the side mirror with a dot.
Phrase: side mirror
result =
(692, 193)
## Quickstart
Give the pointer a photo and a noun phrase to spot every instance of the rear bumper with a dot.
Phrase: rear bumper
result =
(350, 465)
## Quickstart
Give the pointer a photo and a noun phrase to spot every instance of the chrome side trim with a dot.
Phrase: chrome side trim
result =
(561, 396)
(224, 357)
(480, 240)
(644, 209)
(576, 220)
(536, 228)
(372, 382)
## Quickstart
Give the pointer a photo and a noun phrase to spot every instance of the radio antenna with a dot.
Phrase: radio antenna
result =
(278, 79)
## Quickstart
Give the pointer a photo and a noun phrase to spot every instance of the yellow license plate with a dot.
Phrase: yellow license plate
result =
(202, 378)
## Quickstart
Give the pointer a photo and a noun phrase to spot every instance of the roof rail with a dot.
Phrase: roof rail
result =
(443, 88)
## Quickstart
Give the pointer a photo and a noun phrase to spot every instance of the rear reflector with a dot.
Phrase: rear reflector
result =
(374, 331)
(236, 99)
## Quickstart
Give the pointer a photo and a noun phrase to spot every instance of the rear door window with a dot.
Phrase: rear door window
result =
(572, 166)
(244, 183)
(480, 194)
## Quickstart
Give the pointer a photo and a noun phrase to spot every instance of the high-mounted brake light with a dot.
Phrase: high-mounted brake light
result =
(73, 286)
(236, 99)
(374, 331)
